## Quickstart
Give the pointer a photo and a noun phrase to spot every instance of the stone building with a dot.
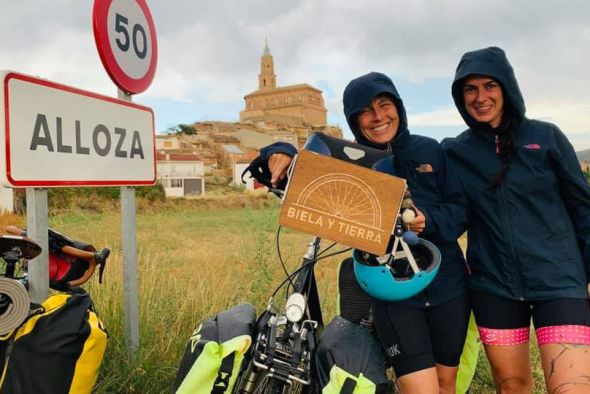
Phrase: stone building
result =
(181, 173)
(300, 107)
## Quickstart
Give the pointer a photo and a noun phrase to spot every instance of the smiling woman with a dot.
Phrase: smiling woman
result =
(484, 100)
(379, 121)
(422, 335)
(530, 227)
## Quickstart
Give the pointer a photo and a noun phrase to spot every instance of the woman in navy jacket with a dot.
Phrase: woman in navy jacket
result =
(529, 230)
(423, 336)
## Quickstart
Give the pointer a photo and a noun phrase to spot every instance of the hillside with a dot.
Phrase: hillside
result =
(583, 155)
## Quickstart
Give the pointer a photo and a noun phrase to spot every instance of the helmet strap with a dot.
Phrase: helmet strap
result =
(405, 252)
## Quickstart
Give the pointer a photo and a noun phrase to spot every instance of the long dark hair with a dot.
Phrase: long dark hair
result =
(505, 138)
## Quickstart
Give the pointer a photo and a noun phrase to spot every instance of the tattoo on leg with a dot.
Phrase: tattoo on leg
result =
(565, 347)
(575, 384)
(554, 360)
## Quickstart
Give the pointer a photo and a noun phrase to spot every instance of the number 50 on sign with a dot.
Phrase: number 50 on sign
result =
(126, 41)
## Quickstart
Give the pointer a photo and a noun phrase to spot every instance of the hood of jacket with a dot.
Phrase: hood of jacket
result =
(490, 62)
(359, 94)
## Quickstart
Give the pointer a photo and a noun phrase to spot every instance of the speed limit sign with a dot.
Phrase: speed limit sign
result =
(125, 37)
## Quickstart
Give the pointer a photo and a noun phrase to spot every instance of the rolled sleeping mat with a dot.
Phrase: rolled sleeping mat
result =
(18, 306)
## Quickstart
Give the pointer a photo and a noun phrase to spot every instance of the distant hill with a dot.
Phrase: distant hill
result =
(583, 155)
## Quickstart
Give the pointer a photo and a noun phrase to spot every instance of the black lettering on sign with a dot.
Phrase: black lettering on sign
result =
(60, 145)
(38, 139)
(101, 150)
(101, 139)
(81, 150)
(136, 148)
(118, 151)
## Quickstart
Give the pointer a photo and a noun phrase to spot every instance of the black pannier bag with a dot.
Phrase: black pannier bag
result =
(349, 359)
(58, 349)
(215, 351)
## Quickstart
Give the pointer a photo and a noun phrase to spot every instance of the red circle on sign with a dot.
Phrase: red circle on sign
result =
(125, 82)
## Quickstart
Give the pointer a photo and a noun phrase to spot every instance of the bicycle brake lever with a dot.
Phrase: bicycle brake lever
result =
(101, 260)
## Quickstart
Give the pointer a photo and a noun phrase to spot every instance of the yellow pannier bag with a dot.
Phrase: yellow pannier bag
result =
(58, 349)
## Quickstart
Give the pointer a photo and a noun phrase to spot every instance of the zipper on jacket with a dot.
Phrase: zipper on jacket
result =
(467, 266)
(497, 141)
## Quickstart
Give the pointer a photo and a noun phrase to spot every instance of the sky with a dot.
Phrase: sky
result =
(209, 53)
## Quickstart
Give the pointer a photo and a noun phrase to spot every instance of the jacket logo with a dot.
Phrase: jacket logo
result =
(393, 350)
(532, 146)
(423, 168)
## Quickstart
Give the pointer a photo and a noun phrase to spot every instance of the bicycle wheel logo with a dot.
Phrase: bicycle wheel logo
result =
(342, 202)
(342, 196)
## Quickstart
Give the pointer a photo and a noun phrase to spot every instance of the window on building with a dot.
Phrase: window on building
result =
(175, 183)
(167, 144)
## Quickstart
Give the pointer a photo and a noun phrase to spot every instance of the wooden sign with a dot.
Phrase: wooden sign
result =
(342, 202)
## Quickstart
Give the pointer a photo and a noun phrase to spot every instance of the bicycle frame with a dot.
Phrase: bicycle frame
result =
(282, 354)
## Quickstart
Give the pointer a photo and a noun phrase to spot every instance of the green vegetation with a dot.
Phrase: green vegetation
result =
(182, 128)
(191, 264)
(193, 261)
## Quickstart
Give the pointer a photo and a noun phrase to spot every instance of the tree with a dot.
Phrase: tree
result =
(182, 128)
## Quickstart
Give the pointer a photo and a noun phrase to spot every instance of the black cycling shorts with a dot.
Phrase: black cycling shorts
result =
(418, 338)
(502, 313)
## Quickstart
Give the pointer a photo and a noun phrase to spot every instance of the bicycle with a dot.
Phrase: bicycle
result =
(282, 357)
(62, 336)
(14, 297)
(71, 264)
(282, 354)
(281, 351)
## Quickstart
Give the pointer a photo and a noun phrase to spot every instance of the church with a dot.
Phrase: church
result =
(299, 106)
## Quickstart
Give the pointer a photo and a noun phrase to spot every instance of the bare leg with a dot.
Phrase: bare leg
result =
(511, 368)
(447, 378)
(424, 381)
(566, 368)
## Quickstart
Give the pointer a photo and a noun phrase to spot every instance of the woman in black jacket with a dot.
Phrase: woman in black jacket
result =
(423, 336)
(528, 232)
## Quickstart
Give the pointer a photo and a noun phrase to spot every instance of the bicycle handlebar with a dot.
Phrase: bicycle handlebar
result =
(91, 257)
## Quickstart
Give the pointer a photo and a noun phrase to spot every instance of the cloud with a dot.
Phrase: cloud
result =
(209, 52)
(438, 117)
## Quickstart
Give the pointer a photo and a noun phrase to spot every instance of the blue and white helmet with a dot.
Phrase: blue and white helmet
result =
(392, 277)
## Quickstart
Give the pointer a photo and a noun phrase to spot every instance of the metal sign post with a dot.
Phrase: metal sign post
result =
(125, 37)
(129, 245)
(37, 230)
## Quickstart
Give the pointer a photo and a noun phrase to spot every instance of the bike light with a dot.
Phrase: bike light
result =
(295, 307)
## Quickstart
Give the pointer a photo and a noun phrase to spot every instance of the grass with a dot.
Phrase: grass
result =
(193, 261)
(191, 264)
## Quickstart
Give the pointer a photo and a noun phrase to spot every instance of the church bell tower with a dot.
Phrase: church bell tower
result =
(267, 78)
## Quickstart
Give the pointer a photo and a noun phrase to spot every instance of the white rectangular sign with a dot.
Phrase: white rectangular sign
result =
(56, 135)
